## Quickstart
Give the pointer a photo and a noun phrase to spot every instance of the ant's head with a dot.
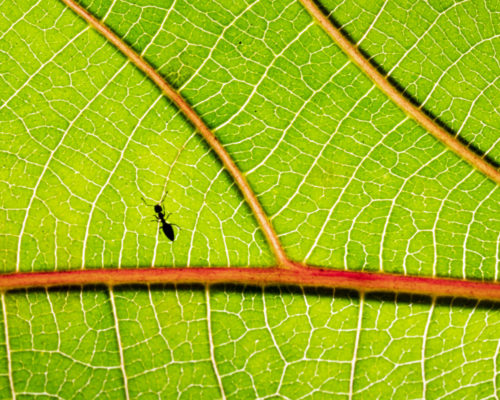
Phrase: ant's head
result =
(158, 208)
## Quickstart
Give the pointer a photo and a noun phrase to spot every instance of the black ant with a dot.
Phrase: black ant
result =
(166, 227)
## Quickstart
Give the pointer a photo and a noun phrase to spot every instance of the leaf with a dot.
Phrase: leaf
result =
(346, 178)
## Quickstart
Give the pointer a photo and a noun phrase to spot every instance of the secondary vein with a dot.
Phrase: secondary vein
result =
(416, 113)
(197, 122)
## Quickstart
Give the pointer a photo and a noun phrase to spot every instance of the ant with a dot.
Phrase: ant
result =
(166, 227)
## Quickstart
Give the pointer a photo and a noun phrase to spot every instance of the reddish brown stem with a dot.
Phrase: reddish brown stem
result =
(416, 113)
(300, 276)
(197, 122)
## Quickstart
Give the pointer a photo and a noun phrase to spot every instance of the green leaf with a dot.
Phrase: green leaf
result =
(347, 180)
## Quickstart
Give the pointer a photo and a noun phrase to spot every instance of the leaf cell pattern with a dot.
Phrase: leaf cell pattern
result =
(347, 180)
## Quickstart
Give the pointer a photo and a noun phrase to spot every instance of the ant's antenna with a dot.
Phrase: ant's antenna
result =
(164, 195)
(170, 171)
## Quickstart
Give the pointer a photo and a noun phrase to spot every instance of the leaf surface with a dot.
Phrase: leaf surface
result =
(346, 178)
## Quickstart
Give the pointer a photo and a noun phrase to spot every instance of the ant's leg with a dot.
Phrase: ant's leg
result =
(169, 214)
(177, 226)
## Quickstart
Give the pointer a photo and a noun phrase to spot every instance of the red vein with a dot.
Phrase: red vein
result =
(302, 275)
(197, 122)
(416, 113)
(286, 272)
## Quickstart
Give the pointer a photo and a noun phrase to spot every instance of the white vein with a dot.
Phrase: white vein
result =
(356, 345)
(429, 28)
(119, 341)
(157, 320)
(111, 174)
(53, 314)
(380, 11)
(318, 157)
(451, 65)
(42, 66)
(199, 216)
(109, 11)
(263, 76)
(21, 18)
(497, 258)
(276, 345)
(297, 115)
(394, 201)
(495, 369)
(472, 105)
(51, 156)
(211, 343)
(424, 342)
(437, 220)
(7, 347)
(467, 235)
(219, 38)
(160, 29)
